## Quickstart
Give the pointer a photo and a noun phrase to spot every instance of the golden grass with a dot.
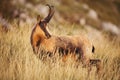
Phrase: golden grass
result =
(18, 62)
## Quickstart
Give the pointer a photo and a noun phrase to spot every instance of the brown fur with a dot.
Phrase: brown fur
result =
(78, 46)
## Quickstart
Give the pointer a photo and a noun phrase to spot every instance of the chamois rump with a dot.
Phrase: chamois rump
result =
(43, 42)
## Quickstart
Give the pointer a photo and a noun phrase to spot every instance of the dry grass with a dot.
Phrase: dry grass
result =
(18, 62)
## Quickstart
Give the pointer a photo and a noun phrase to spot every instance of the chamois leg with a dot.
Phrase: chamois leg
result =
(86, 64)
(98, 64)
(35, 45)
(89, 68)
(99, 68)
(35, 49)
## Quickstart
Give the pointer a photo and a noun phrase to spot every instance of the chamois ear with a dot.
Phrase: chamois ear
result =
(38, 18)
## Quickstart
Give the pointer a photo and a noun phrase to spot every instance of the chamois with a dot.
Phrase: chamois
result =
(42, 40)
(39, 32)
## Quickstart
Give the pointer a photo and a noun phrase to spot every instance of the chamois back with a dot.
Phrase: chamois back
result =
(65, 45)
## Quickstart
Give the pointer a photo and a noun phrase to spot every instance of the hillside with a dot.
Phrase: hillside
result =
(102, 15)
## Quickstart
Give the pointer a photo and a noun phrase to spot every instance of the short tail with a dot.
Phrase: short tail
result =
(93, 49)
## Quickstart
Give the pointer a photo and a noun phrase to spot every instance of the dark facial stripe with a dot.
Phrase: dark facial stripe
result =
(43, 27)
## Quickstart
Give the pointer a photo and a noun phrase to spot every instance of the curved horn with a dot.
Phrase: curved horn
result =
(51, 12)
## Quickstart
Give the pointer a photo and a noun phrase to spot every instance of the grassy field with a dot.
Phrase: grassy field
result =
(18, 62)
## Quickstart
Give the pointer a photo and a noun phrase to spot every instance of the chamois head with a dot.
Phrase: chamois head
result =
(43, 23)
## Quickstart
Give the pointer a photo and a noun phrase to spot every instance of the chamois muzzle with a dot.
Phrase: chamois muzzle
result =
(48, 35)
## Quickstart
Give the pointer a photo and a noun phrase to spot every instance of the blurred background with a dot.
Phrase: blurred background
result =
(103, 15)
